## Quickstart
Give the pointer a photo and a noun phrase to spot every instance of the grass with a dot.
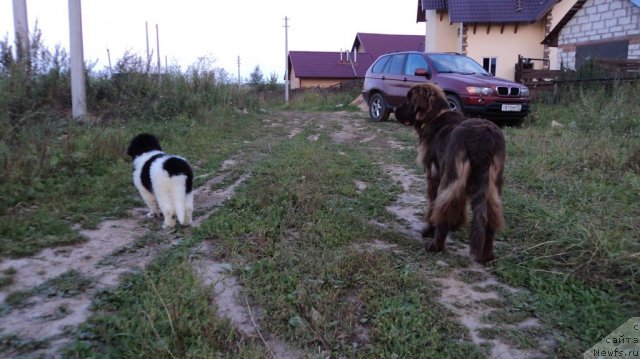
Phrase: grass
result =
(295, 233)
(571, 204)
(64, 173)
(164, 313)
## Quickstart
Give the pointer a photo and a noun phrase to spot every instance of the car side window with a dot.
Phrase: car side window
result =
(415, 61)
(396, 65)
(379, 66)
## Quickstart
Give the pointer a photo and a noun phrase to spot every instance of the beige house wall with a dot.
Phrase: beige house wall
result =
(506, 44)
(318, 82)
(295, 82)
(503, 44)
(446, 39)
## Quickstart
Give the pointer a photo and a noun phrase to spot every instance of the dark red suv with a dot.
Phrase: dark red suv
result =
(469, 87)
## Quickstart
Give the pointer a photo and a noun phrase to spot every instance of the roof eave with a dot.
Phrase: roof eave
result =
(552, 38)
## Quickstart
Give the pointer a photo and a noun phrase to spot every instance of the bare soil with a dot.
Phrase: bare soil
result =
(109, 251)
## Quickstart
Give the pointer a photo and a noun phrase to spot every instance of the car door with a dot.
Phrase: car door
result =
(394, 80)
(415, 62)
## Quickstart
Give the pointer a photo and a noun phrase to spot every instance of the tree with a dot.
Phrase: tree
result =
(272, 82)
(255, 77)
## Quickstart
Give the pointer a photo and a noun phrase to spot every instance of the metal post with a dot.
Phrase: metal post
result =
(21, 28)
(286, 52)
(78, 86)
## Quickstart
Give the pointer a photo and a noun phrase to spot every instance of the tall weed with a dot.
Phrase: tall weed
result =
(576, 189)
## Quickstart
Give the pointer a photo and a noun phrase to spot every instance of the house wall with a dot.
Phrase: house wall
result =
(318, 82)
(557, 13)
(600, 21)
(294, 81)
(446, 39)
(297, 83)
(505, 46)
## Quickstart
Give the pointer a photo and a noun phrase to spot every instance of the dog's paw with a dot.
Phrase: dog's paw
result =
(153, 215)
(431, 246)
(429, 231)
(168, 227)
(483, 260)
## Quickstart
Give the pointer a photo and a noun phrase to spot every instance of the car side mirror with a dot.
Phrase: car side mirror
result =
(423, 72)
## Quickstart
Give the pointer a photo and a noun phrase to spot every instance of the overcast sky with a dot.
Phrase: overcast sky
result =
(223, 30)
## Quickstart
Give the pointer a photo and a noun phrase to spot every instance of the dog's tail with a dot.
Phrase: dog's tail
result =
(451, 203)
(494, 192)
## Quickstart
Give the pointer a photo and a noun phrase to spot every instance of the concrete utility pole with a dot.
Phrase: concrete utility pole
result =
(146, 30)
(109, 58)
(158, 47)
(238, 71)
(78, 85)
(286, 53)
(21, 28)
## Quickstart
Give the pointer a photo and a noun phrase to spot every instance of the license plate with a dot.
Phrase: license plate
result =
(511, 108)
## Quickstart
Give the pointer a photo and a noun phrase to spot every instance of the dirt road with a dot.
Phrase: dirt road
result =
(41, 315)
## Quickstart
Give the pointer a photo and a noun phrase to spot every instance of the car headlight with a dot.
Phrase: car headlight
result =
(484, 91)
(524, 91)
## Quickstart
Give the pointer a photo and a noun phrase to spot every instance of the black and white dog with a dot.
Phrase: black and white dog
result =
(164, 181)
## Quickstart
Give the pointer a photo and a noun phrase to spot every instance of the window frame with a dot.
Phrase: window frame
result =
(492, 64)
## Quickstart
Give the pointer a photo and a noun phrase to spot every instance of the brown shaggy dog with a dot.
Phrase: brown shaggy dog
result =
(464, 162)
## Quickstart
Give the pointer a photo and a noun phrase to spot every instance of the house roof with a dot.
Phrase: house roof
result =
(488, 11)
(318, 64)
(429, 5)
(552, 37)
(380, 44)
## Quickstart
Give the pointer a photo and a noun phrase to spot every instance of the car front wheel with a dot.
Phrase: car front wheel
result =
(378, 110)
(454, 103)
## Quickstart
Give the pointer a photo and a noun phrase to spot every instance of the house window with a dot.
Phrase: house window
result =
(607, 50)
(489, 64)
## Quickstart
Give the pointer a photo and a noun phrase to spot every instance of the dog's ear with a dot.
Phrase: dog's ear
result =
(420, 98)
(434, 98)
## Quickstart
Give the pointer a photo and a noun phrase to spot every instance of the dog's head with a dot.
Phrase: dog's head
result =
(424, 102)
(143, 143)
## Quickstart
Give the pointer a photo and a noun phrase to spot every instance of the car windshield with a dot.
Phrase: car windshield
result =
(452, 63)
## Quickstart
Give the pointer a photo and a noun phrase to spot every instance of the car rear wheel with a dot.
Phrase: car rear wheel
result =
(454, 103)
(378, 110)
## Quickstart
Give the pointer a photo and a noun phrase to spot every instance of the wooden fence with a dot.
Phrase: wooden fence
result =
(604, 71)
